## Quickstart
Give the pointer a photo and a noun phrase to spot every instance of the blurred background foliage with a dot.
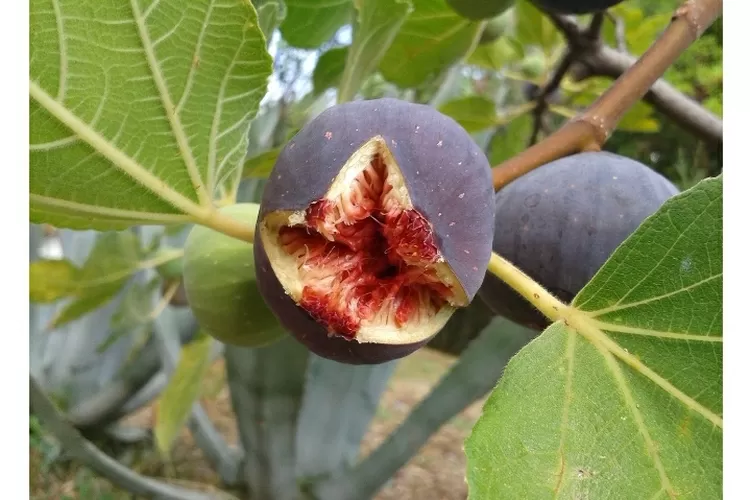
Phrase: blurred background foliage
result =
(484, 76)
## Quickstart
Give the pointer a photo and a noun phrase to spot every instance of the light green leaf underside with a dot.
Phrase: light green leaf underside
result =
(377, 25)
(474, 113)
(139, 109)
(630, 406)
(432, 38)
(310, 23)
(534, 28)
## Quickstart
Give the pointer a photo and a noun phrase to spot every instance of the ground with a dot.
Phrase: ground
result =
(436, 472)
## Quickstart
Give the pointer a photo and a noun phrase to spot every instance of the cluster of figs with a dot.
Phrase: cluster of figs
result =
(379, 218)
(378, 221)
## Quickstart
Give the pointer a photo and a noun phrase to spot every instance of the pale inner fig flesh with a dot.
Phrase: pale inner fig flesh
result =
(361, 260)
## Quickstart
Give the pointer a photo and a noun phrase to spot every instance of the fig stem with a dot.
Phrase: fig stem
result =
(228, 225)
(536, 294)
(590, 130)
(165, 300)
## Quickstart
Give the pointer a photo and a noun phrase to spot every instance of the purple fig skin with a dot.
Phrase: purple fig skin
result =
(561, 222)
(447, 174)
(311, 333)
(448, 178)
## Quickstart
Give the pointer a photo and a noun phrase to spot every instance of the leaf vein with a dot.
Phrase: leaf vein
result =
(124, 214)
(63, 46)
(121, 160)
(655, 333)
(637, 416)
(213, 137)
(677, 240)
(169, 107)
(196, 54)
(620, 307)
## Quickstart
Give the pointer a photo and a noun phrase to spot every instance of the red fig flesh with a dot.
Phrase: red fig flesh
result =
(359, 271)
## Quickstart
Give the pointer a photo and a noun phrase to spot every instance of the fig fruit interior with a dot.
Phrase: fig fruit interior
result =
(361, 260)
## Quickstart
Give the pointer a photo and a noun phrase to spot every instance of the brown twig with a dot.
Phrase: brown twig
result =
(548, 89)
(686, 112)
(590, 130)
(595, 27)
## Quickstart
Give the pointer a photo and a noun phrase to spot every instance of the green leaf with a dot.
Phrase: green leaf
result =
(51, 280)
(328, 71)
(627, 396)
(260, 166)
(114, 258)
(433, 38)
(639, 118)
(184, 387)
(310, 23)
(139, 110)
(377, 25)
(534, 28)
(511, 140)
(474, 113)
(270, 16)
(497, 55)
(135, 313)
(640, 37)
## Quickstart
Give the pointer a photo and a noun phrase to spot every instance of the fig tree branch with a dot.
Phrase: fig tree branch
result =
(590, 130)
(686, 112)
(547, 91)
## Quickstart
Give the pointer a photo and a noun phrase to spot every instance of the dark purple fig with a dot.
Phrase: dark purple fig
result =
(576, 6)
(375, 225)
(560, 222)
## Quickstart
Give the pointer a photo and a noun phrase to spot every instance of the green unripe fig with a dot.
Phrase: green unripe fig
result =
(480, 9)
(219, 280)
(496, 27)
(533, 66)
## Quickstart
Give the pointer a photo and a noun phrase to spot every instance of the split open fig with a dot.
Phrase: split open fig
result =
(375, 225)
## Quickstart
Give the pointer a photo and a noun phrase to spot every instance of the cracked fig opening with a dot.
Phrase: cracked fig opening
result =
(361, 260)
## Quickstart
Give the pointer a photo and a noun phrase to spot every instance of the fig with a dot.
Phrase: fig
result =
(496, 28)
(375, 225)
(480, 9)
(571, 7)
(560, 222)
(219, 278)
(534, 65)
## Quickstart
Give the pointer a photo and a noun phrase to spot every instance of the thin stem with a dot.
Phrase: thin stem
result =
(228, 225)
(164, 301)
(541, 99)
(595, 27)
(592, 129)
(548, 304)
